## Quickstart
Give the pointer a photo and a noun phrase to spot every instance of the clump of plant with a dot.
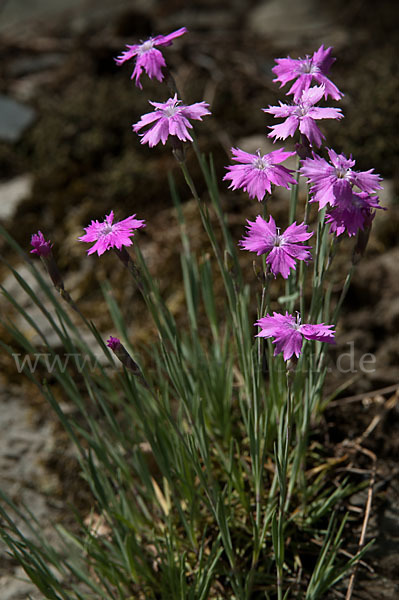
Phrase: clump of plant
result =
(197, 449)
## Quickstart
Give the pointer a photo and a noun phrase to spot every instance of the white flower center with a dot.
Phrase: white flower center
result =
(148, 45)
(297, 323)
(170, 111)
(278, 239)
(302, 109)
(307, 66)
(342, 173)
(106, 229)
(260, 162)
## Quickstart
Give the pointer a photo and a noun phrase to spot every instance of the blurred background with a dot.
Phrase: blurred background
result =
(68, 155)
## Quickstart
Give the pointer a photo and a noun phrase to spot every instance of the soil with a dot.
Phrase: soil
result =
(82, 159)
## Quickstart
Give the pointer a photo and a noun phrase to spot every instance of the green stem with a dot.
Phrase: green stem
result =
(236, 295)
(333, 320)
(318, 266)
(291, 282)
(343, 294)
(282, 459)
(214, 196)
(302, 267)
(126, 259)
(294, 194)
(189, 180)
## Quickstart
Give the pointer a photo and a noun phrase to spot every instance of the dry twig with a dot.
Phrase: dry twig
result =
(389, 404)
(366, 515)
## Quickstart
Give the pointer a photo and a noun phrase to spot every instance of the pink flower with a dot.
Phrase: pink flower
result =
(170, 118)
(332, 182)
(305, 71)
(303, 115)
(289, 333)
(256, 173)
(148, 57)
(353, 213)
(41, 247)
(283, 248)
(109, 235)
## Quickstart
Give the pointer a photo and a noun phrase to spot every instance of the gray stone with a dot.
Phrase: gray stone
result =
(252, 143)
(24, 446)
(12, 193)
(288, 22)
(201, 19)
(64, 359)
(24, 15)
(34, 64)
(388, 195)
(16, 587)
(14, 118)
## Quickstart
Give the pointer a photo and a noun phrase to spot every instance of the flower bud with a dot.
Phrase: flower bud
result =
(123, 355)
(42, 248)
(362, 239)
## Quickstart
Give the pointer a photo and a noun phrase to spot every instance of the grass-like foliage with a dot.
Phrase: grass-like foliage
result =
(197, 451)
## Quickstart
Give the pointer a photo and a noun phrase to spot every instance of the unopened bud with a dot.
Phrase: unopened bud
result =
(123, 355)
(303, 148)
(291, 366)
(42, 248)
(362, 238)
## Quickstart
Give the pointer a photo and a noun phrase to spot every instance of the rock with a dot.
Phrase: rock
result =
(23, 11)
(371, 277)
(24, 448)
(14, 118)
(201, 20)
(288, 23)
(24, 15)
(252, 143)
(387, 194)
(12, 193)
(17, 587)
(64, 359)
(29, 442)
(34, 64)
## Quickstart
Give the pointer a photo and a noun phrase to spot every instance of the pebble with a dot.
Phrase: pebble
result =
(24, 447)
(12, 192)
(14, 118)
(288, 23)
